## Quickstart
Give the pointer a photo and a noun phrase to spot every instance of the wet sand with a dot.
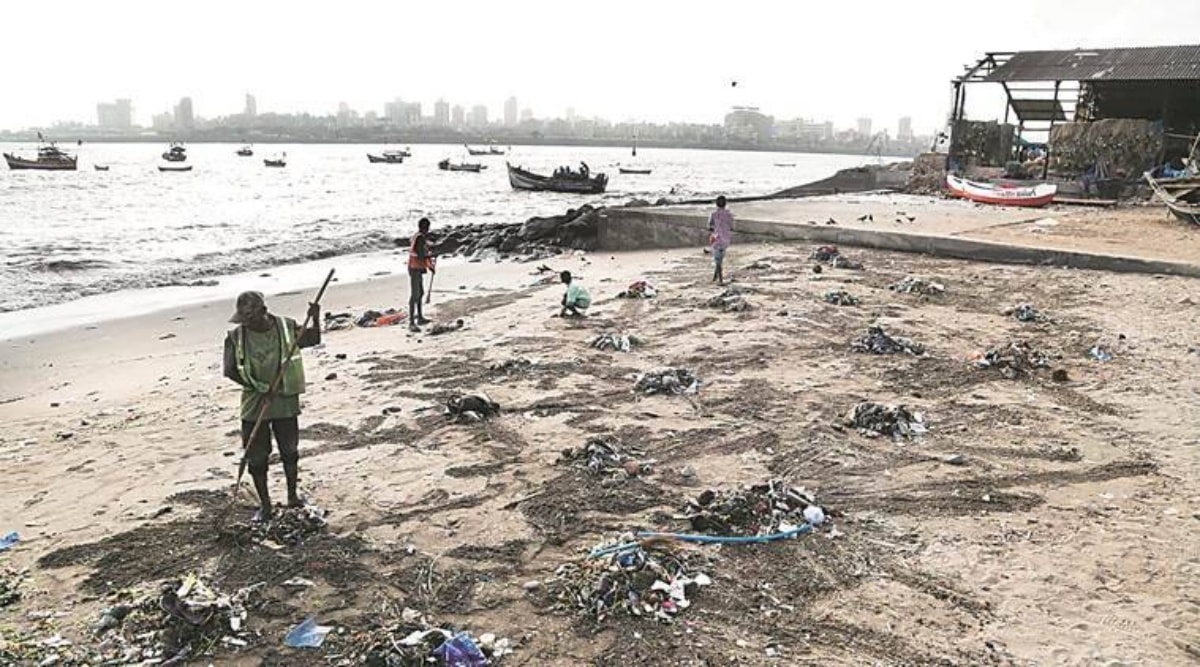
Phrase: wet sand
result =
(1037, 522)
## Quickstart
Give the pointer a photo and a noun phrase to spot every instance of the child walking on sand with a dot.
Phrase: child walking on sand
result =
(720, 227)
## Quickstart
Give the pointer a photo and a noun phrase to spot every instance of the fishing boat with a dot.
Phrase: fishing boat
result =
(245, 151)
(573, 182)
(490, 150)
(49, 158)
(1004, 195)
(100, 167)
(387, 157)
(447, 165)
(630, 170)
(280, 161)
(174, 167)
(1181, 196)
(176, 153)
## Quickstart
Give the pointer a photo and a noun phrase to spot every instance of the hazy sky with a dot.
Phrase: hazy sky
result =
(624, 60)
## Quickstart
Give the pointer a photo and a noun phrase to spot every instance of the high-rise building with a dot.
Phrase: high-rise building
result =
(162, 121)
(864, 127)
(457, 116)
(185, 116)
(526, 114)
(905, 132)
(441, 113)
(116, 116)
(251, 106)
(510, 111)
(479, 115)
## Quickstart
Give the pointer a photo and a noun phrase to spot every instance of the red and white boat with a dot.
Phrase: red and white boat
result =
(1004, 195)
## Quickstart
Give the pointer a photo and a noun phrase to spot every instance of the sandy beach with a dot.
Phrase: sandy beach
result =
(1037, 522)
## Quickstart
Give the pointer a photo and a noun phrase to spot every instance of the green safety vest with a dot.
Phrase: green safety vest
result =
(292, 382)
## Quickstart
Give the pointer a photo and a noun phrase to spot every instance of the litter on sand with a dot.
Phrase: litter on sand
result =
(758, 509)
(512, 366)
(829, 254)
(465, 408)
(1014, 359)
(615, 342)
(1026, 313)
(641, 289)
(875, 419)
(600, 457)
(915, 285)
(667, 381)
(9, 540)
(369, 318)
(411, 641)
(876, 341)
(446, 327)
(840, 298)
(1100, 354)
(307, 634)
(289, 526)
(732, 300)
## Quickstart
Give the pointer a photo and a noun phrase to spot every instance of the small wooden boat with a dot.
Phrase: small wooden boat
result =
(174, 167)
(280, 161)
(574, 183)
(785, 164)
(447, 165)
(628, 170)
(176, 153)
(245, 151)
(100, 167)
(49, 158)
(991, 193)
(388, 157)
(1180, 195)
(490, 150)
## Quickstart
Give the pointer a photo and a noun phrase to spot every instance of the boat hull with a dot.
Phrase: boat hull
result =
(186, 167)
(642, 172)
(520, 179)
(274, 163)
(384, 159)
(15, 162)
(1174, 194)
(986, 193)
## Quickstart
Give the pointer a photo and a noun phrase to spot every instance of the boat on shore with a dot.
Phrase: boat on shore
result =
(176, 153)
(245, 151)
(447, 165)
(280, 161)
(1003, 195)
(49, 158)
(1180, 195)
(569, 182)
(630, 170)
(174, 167)
(387, 157)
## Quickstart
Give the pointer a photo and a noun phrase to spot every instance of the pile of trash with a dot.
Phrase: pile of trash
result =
(1014, 360)
(914, 285)
(667, 381)
(875, 419)
(10, 585)
(828, 254)
(759, 265)
(412, 642)
(1026, 313)
(647, 579)
(759, 509)
(446, 327)
(732, 300)
(512, 366)
(641, 289)
(876, 341)
(841, 298)
(370, 318)
(602, 457)
(615, 342)
(466, 408)
(290, 526)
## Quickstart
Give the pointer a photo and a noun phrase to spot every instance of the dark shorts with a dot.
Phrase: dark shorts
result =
(287, 436)
(416, 281)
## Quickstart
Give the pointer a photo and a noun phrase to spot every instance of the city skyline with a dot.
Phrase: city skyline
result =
(796, 60)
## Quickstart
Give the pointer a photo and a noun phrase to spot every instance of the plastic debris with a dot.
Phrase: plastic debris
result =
(732, 300)
(759, 509)
(307, 634)
(615, 342)
(369, 318)
(840, 298)
(641, 289)
(289, 526)
(1026, 313)
(647, 580)
(915, 285)
(667, 381)
(512, 366)
(9, 540)
(875, 419)
(829, 254)
(10, 585)
(461, 651)
(1014, 359)
(466, 408)
(600, 457)
(412, 642)
(446, 327)
(1100, 354)
(759, 265)
(876, 341)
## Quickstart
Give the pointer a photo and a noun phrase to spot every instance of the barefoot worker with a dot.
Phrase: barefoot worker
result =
(255, 350)
(576, 301)
(420, 260)
(720, 224)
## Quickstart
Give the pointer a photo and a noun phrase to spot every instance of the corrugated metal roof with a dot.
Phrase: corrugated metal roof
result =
(1151, 63)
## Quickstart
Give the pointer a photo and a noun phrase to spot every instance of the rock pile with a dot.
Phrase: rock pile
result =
(876, 341)
(537, 238)
(875, 419)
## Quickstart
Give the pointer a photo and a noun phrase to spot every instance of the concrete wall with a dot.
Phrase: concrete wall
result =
(639, 229)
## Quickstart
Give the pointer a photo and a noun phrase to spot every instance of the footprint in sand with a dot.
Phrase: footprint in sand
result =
(36, 498)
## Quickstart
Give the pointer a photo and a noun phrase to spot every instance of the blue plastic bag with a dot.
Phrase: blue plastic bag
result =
(9, 540)
(307, 634)
(461, 651)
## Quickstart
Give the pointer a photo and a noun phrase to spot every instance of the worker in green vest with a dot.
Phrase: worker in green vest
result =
(255, 351)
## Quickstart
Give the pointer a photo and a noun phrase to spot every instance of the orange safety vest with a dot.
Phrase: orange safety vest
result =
(414, 260)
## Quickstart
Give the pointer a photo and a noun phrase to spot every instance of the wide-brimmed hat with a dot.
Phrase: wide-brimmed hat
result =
(247, 299)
